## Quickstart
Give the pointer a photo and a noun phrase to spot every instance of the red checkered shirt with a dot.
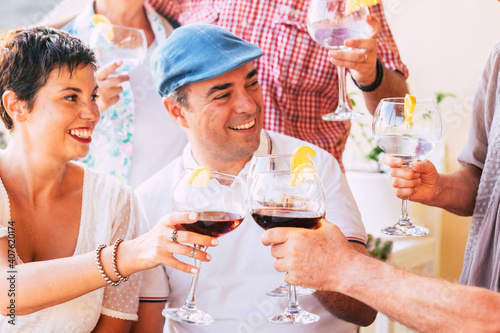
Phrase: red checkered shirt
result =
(298, 81)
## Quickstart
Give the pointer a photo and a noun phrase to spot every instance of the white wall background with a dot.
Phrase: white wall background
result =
(445, 44)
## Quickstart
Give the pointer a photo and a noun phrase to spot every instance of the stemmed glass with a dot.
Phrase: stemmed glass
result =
(329, 25)
(282, 194)
(260, 164)
(407, 135)
(221, 207)
(110, 42)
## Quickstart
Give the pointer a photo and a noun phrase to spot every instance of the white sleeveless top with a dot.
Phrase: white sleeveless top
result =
(108, 212)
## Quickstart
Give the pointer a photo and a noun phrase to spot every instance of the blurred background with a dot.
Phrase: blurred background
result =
(445, 45)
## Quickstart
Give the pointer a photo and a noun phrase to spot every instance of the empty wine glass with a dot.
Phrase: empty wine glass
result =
(329, 25)
(286, 194)
(221, 207)
(111, 42)
(407, 135)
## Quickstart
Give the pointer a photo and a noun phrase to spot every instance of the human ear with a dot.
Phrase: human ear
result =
(175, 111)
(15, 108)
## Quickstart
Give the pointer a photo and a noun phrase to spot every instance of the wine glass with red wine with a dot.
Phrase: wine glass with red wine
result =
(221, 207)
(284, 194)
(282, 290)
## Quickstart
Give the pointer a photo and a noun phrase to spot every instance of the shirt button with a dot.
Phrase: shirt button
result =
(244, 23)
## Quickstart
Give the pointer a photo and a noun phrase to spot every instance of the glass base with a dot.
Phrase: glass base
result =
(282, 291)
(299, 317)
(190, 316)
(408, 230)
(343, 114)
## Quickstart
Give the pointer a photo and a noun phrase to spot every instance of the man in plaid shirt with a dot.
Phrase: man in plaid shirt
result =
(299, 82)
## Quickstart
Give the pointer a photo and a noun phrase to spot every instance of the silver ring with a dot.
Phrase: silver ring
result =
(192, 253)
(173, 237)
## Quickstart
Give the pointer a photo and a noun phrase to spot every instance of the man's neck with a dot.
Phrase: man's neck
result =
(223, 166)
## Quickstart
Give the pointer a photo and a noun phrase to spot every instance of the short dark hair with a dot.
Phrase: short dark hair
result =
(29, 55)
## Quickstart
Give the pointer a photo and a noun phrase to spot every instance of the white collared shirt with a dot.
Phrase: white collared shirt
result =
(232, 286)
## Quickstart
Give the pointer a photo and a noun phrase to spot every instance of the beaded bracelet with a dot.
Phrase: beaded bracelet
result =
(101, 270)
(378, 79)
(115, 266)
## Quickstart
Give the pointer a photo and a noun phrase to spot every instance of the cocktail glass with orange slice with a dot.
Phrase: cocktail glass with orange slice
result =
(406, 128)
(219, 201)
(286, 191)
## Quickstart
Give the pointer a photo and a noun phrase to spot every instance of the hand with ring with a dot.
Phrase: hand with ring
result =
(165, 239)
(362, 62)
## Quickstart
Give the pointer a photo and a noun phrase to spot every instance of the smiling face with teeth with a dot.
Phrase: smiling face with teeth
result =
(63, 115)
(223, 118)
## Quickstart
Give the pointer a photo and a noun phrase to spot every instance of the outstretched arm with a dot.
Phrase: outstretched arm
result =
(47, 283)
(421, 303)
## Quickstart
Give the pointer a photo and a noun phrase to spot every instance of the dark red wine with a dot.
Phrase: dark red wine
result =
(273, 218)
(214, 224)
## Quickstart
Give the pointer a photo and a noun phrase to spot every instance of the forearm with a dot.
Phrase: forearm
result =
(393, 85)
(346, 308)
(458, 190)
(423, 304)
(42, 284)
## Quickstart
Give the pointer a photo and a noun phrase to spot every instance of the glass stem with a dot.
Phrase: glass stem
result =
(191, 298)
(404, 219)
(293, 302)
(405, 216)
(342, 90)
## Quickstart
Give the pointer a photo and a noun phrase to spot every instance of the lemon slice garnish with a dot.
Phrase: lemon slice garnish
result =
(99, 18)
(299, 158)
(410, 102)
(199, 177)
(352, 6)
(302, 173)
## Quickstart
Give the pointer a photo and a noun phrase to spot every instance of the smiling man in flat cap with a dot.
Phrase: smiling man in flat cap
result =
(209, 86)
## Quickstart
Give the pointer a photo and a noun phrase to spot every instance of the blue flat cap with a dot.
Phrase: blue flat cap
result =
(198, 52)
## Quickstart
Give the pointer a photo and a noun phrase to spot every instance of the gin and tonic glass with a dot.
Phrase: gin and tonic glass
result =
(407, 135)
(329, 25)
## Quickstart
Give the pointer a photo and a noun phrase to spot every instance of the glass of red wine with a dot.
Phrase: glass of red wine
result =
(260, 164)
(286, 191)
(220, 203)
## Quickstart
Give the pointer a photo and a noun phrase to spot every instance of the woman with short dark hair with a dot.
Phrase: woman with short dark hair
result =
(67, 233)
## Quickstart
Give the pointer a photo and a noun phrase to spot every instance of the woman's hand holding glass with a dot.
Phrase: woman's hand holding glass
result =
(119, 50)
(110, 85)
(159, 245)
(218, 200)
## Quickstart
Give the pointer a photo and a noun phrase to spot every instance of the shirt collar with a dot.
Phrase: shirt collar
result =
(265, 148)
